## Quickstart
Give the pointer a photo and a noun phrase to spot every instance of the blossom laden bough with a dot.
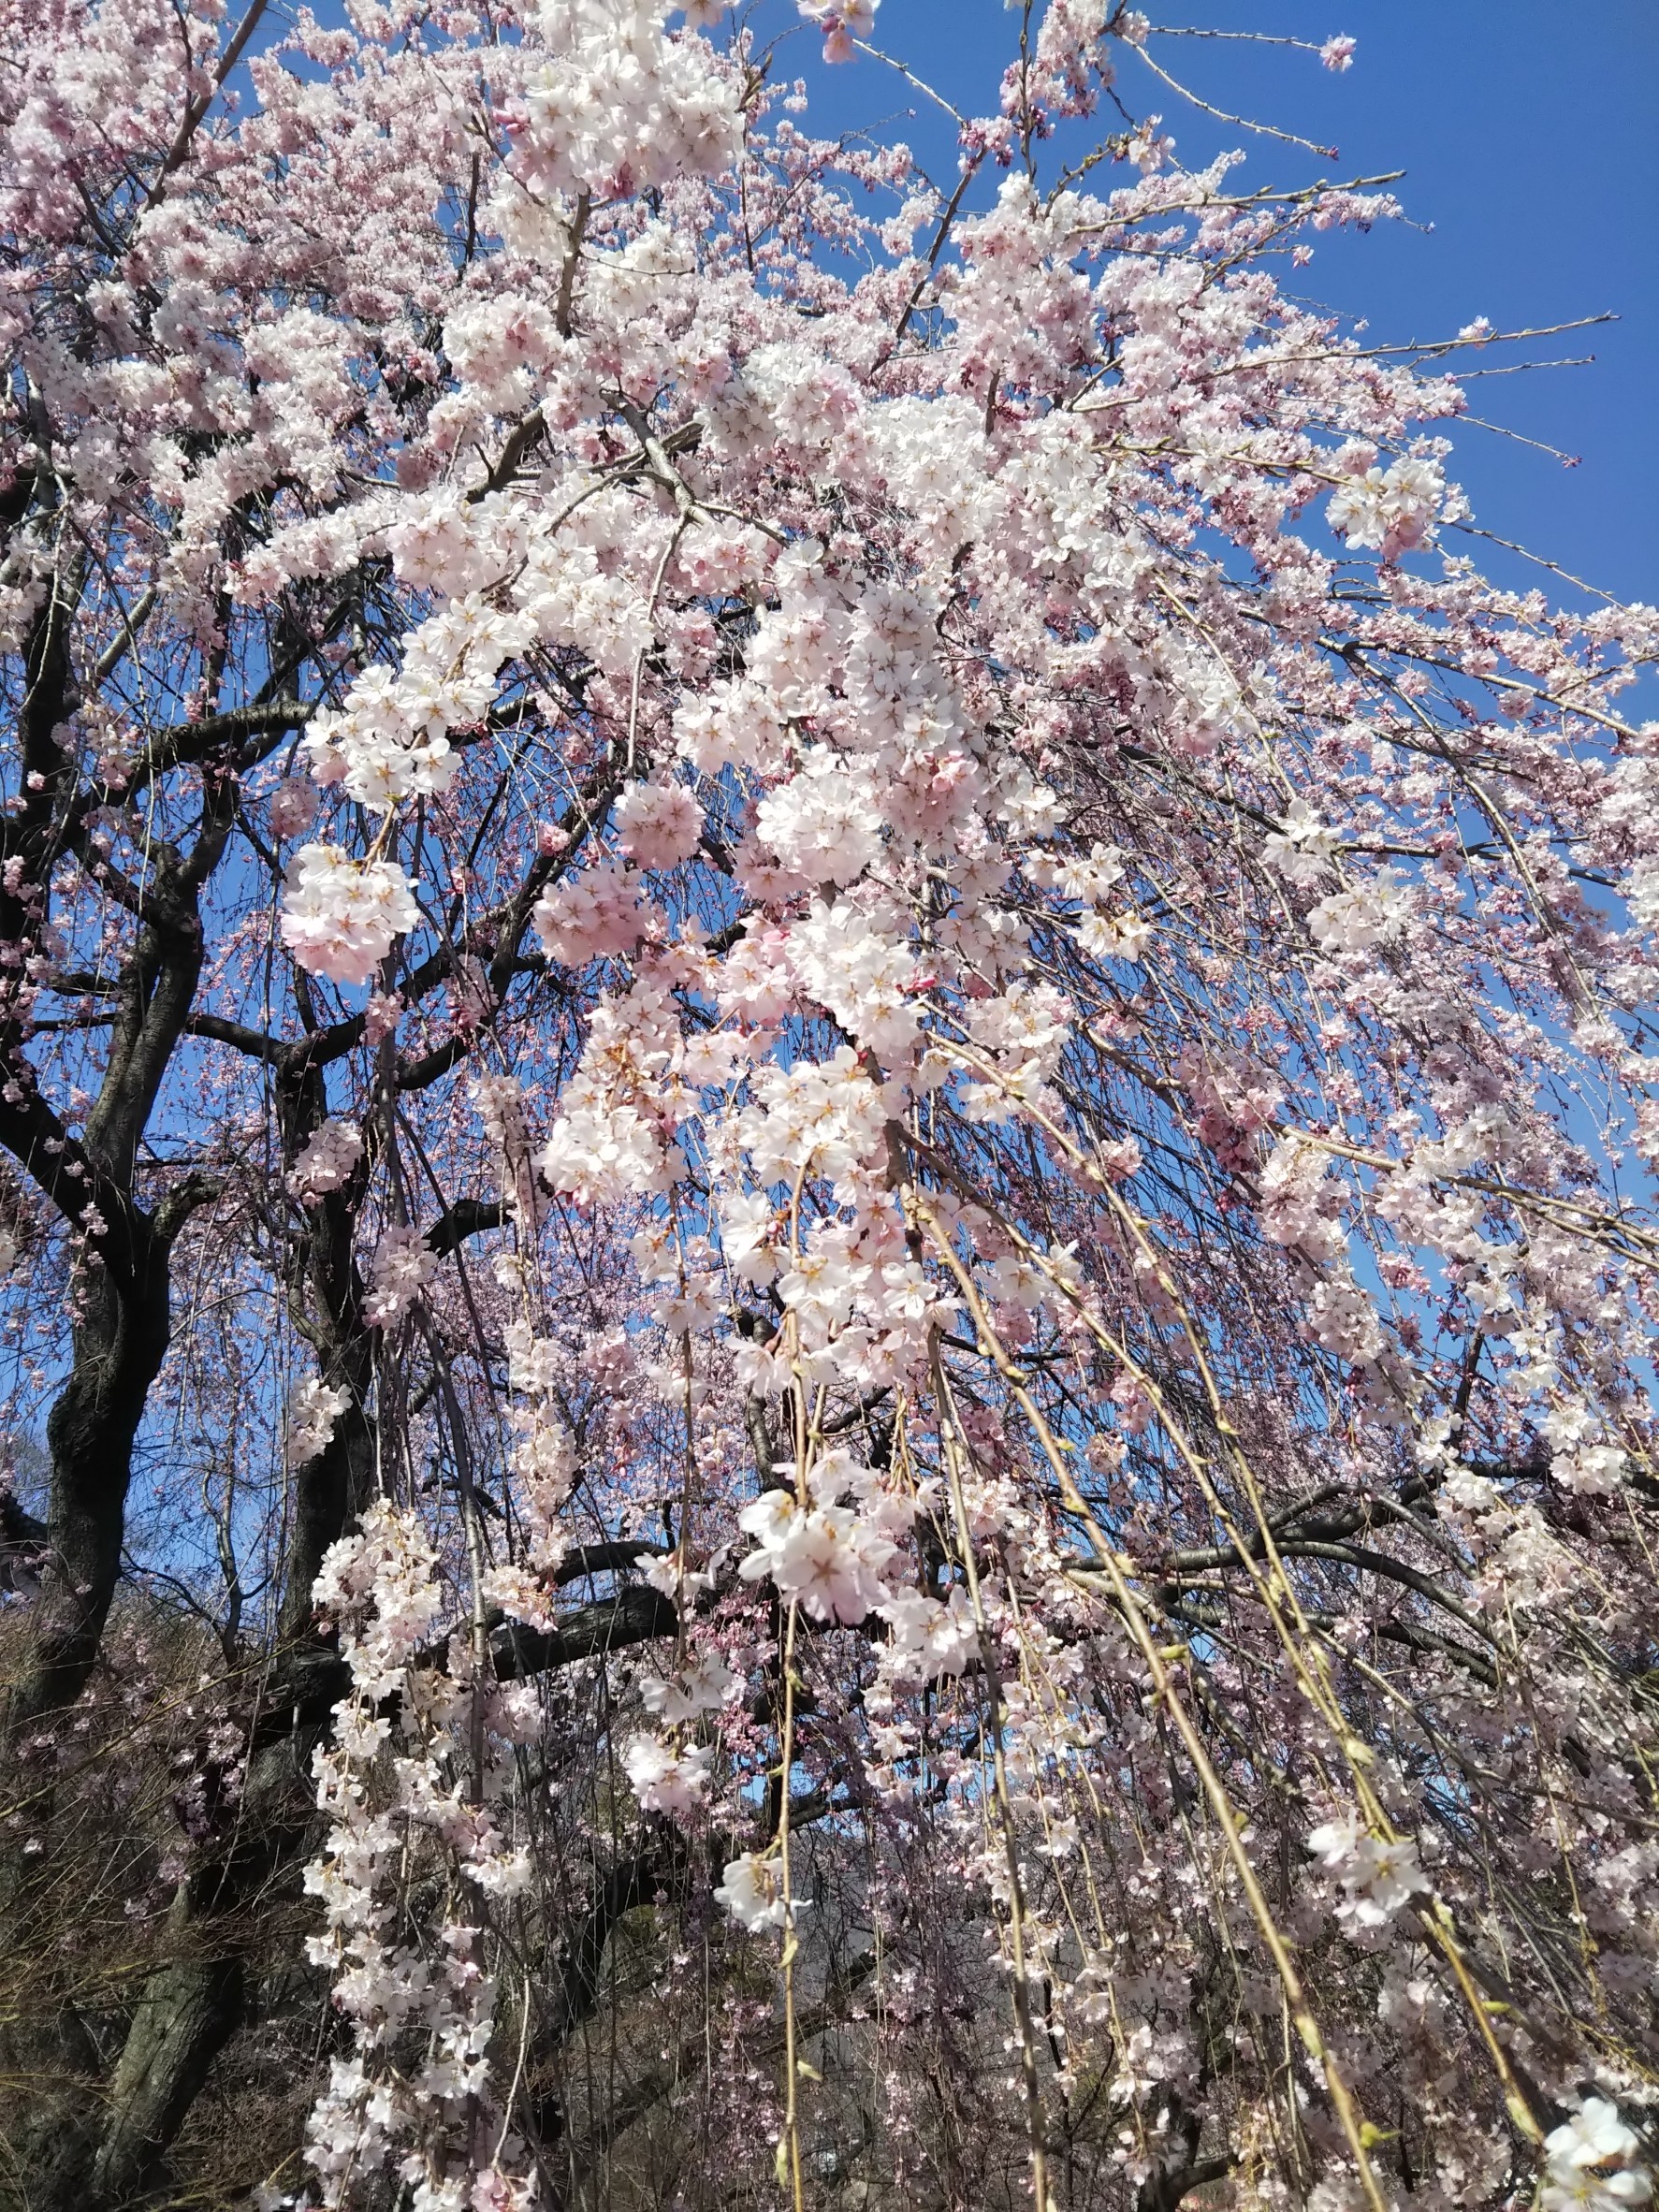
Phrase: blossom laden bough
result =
(840, 1070)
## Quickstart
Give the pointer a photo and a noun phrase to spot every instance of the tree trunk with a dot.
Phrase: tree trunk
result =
(184, 2018)
(119, 1345)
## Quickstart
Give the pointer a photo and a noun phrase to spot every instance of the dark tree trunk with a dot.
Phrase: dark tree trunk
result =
(119, 1345)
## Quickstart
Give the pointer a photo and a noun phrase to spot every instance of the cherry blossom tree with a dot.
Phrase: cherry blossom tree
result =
(827, 1136)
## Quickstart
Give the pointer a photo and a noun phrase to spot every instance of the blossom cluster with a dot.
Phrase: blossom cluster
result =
(327, 1160)
(399, 1273)
(1390, 509)
(382, 1589)
(341, 917)
(313, 1410)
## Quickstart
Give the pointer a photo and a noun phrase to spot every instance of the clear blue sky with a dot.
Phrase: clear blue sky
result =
(1530, 137)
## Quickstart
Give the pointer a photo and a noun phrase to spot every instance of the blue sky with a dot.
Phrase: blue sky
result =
(1530, 138)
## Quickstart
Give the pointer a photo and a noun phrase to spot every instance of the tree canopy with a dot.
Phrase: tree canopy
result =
(826, 1142)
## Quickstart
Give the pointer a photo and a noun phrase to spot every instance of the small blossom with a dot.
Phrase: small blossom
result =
(1379, 1879)
(312, 1412)
(752, 1891)
(1588, 2163)
(293, 806)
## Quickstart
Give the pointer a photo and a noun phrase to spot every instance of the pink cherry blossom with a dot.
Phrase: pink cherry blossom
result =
(827, 1097)
(658, 823)
(341, 917)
